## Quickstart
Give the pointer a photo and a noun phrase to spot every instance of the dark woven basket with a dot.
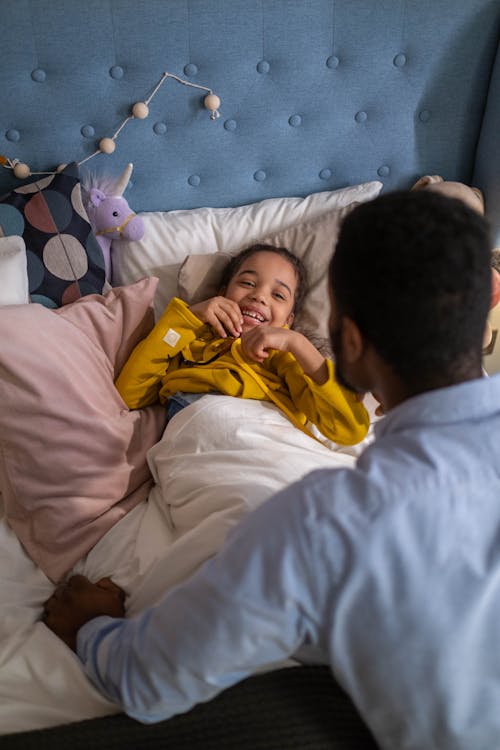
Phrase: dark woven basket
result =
(300, 708)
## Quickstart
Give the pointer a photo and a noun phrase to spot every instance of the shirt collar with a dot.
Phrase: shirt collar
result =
(473, 399)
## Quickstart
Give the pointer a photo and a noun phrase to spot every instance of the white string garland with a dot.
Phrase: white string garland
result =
(107, 145)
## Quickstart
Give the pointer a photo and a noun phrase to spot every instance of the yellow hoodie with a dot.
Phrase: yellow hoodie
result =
(183, 354)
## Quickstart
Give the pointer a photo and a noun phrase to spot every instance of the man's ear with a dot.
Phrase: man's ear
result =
(353, 343)
(290, 319)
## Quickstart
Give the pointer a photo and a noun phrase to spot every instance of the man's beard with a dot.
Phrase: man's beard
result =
(336, 339)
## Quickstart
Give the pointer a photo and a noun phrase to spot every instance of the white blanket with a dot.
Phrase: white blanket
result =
(219, 458)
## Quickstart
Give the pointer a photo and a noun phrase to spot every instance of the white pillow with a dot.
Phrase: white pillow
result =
(13, 271)
(170, 236)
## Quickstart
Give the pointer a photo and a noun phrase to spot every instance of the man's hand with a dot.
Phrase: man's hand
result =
(380, 410)
(224, 315)
(76, 602)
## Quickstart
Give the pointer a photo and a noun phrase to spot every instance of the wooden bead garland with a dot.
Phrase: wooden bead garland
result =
(107, 145)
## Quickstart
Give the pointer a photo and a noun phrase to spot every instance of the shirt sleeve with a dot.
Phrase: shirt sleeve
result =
(140, 378)
(336, 411)
(223, 624)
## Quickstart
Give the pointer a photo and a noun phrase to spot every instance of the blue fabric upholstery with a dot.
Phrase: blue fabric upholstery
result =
(315, 95)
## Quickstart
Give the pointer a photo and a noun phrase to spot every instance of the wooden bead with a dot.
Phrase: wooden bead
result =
(107, 145)
(212, 102)
(140, 110)
(21, 170)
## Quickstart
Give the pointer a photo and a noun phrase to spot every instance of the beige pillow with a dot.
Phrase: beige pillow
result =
(312, 241)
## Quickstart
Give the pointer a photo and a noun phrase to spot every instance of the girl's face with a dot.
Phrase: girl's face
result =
(264, 288)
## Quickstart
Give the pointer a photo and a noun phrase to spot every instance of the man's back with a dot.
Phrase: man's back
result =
(413, 627)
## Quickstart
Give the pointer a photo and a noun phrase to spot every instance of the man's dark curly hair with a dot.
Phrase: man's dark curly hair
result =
(300, 270)
(413, 271)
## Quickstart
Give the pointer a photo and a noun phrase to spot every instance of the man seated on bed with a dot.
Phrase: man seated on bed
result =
(390, 570)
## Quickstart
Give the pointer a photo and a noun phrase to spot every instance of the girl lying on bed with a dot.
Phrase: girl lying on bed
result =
(240, 344)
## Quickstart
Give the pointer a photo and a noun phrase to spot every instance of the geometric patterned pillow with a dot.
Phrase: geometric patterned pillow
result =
(65, 261)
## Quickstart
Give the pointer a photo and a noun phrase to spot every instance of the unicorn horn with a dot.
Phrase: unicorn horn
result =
(123, 180)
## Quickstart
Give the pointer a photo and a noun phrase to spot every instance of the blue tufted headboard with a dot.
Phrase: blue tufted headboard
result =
(316, 94)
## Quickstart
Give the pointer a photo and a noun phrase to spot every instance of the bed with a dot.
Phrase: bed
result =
(320, 105)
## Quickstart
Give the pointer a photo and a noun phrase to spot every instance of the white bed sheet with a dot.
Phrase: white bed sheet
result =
(218, 459)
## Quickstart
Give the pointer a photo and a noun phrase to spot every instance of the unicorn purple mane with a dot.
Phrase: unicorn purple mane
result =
(109, 213)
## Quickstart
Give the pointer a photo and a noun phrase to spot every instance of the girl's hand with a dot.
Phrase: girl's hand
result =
(222, 314)
(257, 342)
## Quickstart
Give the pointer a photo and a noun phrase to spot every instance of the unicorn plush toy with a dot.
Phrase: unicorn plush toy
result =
(110, 215)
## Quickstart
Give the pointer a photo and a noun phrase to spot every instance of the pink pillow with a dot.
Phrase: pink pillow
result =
(72, 456)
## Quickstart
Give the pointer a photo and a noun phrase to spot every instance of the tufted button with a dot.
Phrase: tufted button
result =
(325, 174)
(38, 75)
(259, 175)
(159, 128)
(424, 115)
(361, 116)
(13, 135)
(263, 66)
(400, 60)
(295, 121)
(194, 180)
(230, 125)
(384, 171)
(190, 69)
(116, 72)
(87, 131)
(332, 62)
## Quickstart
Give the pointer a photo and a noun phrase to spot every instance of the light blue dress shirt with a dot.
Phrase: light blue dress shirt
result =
(390, 570)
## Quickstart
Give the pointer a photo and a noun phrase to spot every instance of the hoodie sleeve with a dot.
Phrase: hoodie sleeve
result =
(141, 377)
(337, 412)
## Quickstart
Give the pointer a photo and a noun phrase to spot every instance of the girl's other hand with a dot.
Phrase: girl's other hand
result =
(257, 342)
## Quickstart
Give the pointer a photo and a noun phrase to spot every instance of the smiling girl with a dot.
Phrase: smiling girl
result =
(240, 343)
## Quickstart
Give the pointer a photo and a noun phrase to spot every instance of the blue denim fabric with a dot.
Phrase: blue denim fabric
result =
(175, 404)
